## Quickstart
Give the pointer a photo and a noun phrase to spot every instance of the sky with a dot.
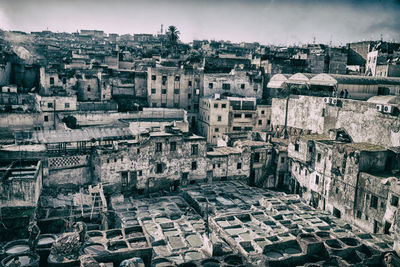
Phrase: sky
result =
(278, 22)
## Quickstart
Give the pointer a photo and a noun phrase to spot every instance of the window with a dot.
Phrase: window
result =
(176, 91)
(189, 107)
(163, 91)
(319, 157)
(195, 149)
(159, 168)
(194, 165)
(177, 78)
(259, 122)
(164, 80)
(374, 202)
(46, 118)
(216, 130)
(248, 128)
(163, 105)
(242, 86)
(51, 80)
(219, 118)
(153, 90)
(154, 105)
(310, 148)
(219, 165)
(257, 157)
(394, 201)
(239, 165)
(124, 178)
(262, 112)
(237, 128)
(50, 105)
(223, 105)
(153, 77)
(172, 146)
(359, 214)
(282, 160)
(189, 96)
(268, 122)
(190, 83)
(296, 147)
(158, 147)
(337, 190)
(88, 88)
(138, 151)
(237, 115)
(215, 105)
(210, 85)
(226, 86)
(66, 105)
(213, 166)
(316, 179)
(248, 115)
(139, 173)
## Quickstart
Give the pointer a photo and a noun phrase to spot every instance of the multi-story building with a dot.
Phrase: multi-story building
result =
(232, 114)
(237, 82)
(173, 87)
(354, 181)
(154, 160)
(381, 54)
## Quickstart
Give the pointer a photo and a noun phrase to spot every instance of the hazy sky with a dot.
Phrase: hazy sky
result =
(265, 21)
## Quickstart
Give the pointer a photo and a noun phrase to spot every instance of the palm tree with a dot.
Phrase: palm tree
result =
(173, 36)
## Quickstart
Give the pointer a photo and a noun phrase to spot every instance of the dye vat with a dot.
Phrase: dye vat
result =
(161, 262)
(133, 232)
(193, 255)
(273, 254)
(17, 246)
(28, 259)
(210, 263)
(46, 241)
(114, 234)
(95, 236)
(137, 243)
(118, 245)
(233, 260)
(94, 249)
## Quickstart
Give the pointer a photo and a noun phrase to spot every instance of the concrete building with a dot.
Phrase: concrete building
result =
(237, 82)
(175, 88)
(363, 120)
(218, 116)
(152, 161)
(228, 163)
(21, 185)
(353, 181)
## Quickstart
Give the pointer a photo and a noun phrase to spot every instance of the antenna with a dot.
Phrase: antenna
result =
(314, 40)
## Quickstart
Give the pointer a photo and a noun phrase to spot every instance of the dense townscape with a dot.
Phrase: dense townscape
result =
(142, 149)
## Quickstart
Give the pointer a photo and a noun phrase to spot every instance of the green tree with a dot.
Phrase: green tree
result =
(173, 37)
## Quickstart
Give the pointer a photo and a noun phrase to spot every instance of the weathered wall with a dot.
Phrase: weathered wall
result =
(5, 73)
(364, 123)
(68, 177)
(143, 158)
(236, 82)
(304, 112)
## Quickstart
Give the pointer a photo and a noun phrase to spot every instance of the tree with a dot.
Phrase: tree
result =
(173, 36)
(70, 121)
